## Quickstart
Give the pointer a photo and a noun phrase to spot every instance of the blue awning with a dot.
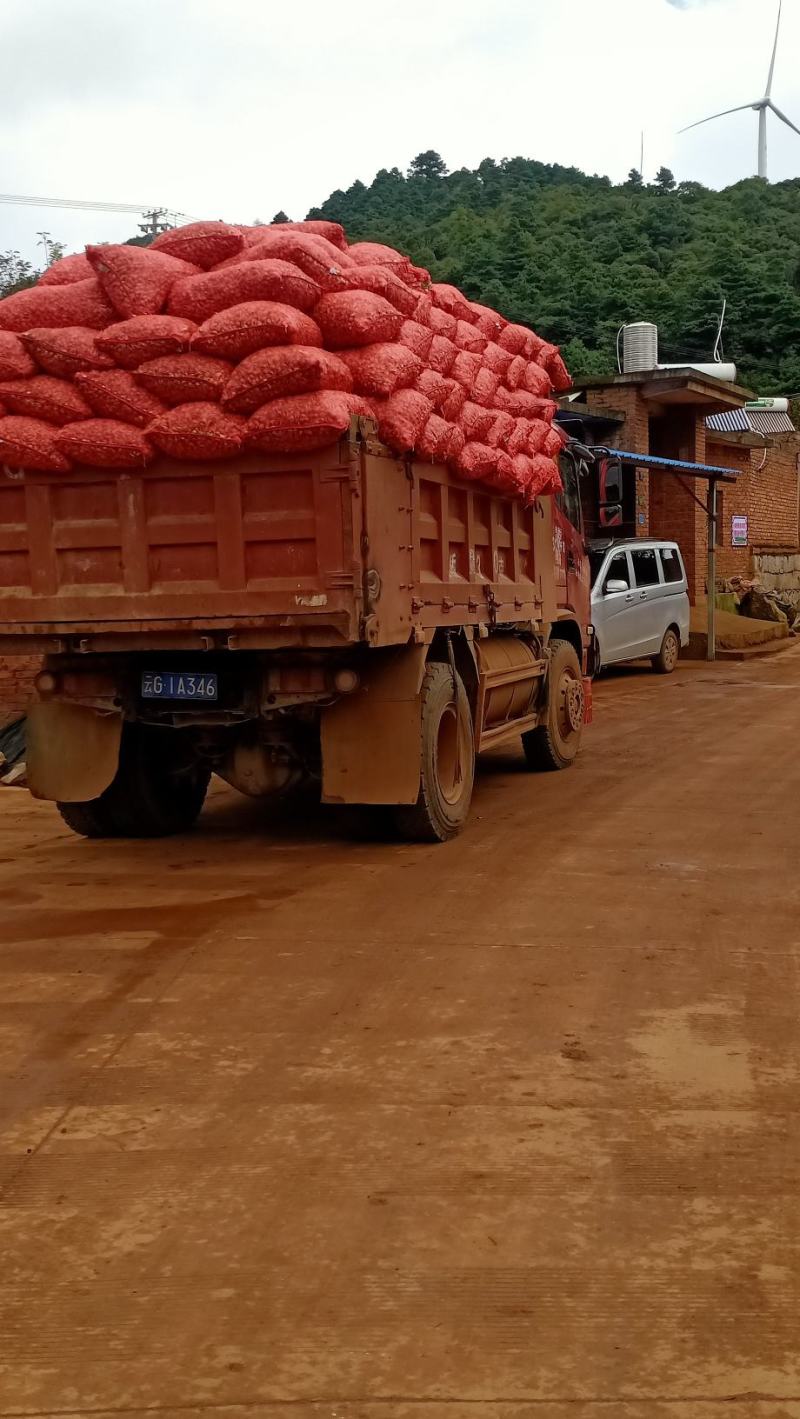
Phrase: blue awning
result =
(671, 465)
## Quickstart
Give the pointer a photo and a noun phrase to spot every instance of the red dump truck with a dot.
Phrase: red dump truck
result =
(370, 622)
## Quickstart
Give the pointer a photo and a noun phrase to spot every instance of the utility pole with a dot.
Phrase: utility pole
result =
(154, 222)
(44, 240)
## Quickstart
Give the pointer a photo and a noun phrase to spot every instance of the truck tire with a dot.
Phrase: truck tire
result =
(448, 762)
(555, 744)
(664, 663)
(154, 793)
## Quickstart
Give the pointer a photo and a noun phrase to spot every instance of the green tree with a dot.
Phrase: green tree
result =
(634, 178)
(664, 180)
(428, 164)
(279, 217)
(16, 274)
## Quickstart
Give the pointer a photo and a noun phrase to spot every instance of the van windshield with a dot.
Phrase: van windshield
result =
(596, 560)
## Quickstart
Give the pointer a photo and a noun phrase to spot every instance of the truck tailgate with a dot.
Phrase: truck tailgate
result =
(198, 543)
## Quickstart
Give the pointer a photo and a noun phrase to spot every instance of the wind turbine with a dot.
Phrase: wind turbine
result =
(760, 107)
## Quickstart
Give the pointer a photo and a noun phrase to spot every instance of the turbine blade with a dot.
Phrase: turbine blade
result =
(782, 117)
(774, 52)
(740, 108)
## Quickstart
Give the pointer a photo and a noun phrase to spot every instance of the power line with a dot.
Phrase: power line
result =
(14, 200)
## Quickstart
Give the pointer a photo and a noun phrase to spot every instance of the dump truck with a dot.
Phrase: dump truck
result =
(365, 621)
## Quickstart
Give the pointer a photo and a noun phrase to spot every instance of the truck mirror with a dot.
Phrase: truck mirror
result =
(611, 515)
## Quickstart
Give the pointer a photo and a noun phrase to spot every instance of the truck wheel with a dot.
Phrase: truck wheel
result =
(664, 663)
(157, 790)
(448, 762)
(555, 745)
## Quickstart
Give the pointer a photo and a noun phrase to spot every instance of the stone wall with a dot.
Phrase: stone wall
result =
(778, 572)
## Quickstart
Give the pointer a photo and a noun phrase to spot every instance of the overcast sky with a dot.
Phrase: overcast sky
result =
(240, 108)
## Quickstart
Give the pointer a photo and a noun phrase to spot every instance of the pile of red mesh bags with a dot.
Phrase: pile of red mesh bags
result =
(218, 340)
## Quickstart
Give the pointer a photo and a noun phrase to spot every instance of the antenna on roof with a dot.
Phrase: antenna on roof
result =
(718, 352)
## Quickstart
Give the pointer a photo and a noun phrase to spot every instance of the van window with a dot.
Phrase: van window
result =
(645, 566)
(617, 570)
(671, 563)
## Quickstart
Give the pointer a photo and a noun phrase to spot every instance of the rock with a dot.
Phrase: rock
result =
(759, 606)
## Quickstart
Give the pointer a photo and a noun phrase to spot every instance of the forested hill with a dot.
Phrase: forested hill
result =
(575, 256)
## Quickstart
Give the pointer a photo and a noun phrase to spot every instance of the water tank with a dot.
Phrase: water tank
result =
(639, 346)
(716, 370)
(777, 406)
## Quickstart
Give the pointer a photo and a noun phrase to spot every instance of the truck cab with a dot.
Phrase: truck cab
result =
(573, 581)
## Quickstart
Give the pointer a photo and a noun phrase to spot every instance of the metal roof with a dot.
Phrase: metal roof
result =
(671, 465)
(751, 421)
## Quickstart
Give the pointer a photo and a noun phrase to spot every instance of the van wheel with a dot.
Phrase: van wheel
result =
(448, 762)
(664, 663)
(158, 789)
(555, 744)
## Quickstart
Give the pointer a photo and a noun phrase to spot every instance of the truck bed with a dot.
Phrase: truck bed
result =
(315, 550)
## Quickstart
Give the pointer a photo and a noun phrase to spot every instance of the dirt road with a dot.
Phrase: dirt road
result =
(300, 1124)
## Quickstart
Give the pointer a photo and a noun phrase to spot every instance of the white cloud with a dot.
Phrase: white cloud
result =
(239, 110)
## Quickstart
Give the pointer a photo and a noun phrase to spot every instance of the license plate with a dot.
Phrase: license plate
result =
(166, 685)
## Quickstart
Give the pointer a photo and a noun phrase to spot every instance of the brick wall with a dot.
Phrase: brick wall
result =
(774, 496)
(633, 435)
(16, 684)
(733, 500)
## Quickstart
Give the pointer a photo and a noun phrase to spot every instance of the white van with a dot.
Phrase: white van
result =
(640, 602)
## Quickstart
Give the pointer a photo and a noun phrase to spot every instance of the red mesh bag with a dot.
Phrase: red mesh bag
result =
(477, 462)
(198, 297)
(29, 443)
(135, 279)
(381, 369)
(536, 380)
(114, 394)
(496, 358)
(332, 231)
(65, 352)
(467, 337)
(558, 372)
(422, 309)
(553, 443)
(543, 353)
(45, 397)
(442, 323)
(476, 422)
(15, 361)
(518, 440)
(305, 421)
(501, 430)
(67, 271)
(434, 386)
(185, 379)
(454, 401)
(318, 258)
(105, 443)
(281, 371)
(348, 318)
(374, 253)
(465, 368)
(546, 477)
(254, 325)
(449, 298)
(524, 405)
(515, 338)
(514, 477)
(416, 337)
(3, 411)
(488, 321)
(130, 342)
(198, 431)
(538, 431)
(80, 303)
(359, 404)
(516, 372)
(440, 441)
(382, 281)
(402, 418)
(203, 244)
(442, 354)
(485, 386)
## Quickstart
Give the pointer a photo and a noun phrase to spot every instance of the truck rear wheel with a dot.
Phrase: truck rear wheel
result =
(158, 789)
(555, 744)
(448, 761)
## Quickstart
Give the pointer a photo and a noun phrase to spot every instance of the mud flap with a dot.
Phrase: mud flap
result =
(72, 752)
(371, 745)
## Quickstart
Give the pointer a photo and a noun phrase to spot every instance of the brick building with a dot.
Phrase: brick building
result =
(683, 414)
